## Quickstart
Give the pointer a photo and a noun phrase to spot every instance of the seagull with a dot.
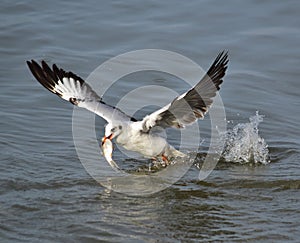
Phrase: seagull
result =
(132, 134)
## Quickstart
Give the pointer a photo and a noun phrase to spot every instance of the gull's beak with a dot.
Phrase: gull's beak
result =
(110, 137)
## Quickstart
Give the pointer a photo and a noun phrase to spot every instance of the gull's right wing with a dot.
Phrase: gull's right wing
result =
(74, 89)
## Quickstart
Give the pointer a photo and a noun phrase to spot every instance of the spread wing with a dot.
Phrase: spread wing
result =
(193, 104)
(74, 89)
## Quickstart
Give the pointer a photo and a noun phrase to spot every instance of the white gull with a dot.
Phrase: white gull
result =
(130, 133)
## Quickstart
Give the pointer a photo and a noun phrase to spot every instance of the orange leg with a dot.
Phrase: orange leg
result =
(165, 159)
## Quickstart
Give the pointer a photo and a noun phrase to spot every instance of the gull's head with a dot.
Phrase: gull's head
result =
(112, 131)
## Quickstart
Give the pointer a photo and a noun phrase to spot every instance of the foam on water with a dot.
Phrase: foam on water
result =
(244, 144)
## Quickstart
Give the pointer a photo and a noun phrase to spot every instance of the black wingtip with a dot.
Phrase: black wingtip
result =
(218, 69)
(49, 77)
(43, 74)
(222, 58)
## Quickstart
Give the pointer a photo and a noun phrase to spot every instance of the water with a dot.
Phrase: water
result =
(244, 145)
(46, 195)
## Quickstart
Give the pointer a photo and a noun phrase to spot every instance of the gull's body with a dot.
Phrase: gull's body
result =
(128, 132)
(147, 144)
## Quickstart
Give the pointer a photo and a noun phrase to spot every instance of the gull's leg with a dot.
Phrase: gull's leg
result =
(161, 161)
(165, 159)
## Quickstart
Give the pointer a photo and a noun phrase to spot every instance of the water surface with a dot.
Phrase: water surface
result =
(46, 195)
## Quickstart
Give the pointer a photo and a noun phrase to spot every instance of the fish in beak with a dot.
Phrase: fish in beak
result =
(110, 137)
(107, 149)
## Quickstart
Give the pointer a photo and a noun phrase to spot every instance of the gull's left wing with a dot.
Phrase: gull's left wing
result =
(192, 105)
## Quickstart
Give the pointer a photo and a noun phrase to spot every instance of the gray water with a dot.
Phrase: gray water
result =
(47, 196)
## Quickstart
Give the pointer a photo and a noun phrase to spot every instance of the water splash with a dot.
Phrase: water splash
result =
(244, 145)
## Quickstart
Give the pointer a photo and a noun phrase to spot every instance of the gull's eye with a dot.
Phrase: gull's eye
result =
(113, 129)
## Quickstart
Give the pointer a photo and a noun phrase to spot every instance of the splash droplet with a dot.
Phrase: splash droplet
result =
(244, 144)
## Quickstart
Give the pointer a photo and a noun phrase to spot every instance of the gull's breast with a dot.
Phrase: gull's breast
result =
(145, 144)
